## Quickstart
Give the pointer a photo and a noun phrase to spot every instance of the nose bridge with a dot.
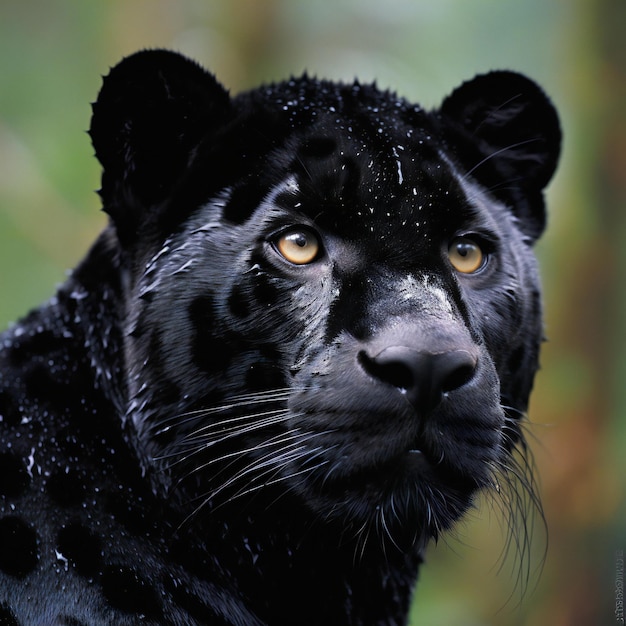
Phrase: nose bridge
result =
(421, 329)
(380, 302)
(413, 300)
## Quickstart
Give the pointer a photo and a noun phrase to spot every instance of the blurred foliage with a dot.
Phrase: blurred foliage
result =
(52, 54)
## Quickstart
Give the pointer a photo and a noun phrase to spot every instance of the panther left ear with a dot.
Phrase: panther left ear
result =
(506, 132)
(155, 107)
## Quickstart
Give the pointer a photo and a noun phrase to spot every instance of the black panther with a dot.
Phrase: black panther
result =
(302, 345)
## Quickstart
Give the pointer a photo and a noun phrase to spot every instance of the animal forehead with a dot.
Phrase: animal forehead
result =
(331, 124)
(358, 154)
(348, 180)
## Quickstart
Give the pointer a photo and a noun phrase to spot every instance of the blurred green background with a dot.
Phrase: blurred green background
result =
(52, 54)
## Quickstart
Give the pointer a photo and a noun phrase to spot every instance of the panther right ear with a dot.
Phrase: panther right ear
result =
(155, 107)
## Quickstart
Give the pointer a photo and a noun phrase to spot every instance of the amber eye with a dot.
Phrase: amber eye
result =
(465, 255)
(299, 246)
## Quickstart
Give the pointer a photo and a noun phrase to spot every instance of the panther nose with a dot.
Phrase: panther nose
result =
(423, 376)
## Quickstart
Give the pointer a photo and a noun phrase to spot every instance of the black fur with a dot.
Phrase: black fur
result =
(197, 429)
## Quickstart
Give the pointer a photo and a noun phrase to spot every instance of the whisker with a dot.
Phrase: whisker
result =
(517, 499)
(184, 453)
(231, 427)
(496, 153)
(275, 481)
(292, 435)
(273, 441)
(272, 457)
(268, 464)
(236, 402)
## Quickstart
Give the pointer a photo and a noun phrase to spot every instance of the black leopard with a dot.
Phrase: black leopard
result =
(304, 342)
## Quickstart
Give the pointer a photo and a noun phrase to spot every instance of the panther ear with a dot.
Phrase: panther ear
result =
(507, 133)
(153, 110)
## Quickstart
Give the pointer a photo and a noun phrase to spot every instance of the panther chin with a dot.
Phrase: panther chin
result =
(402, 505)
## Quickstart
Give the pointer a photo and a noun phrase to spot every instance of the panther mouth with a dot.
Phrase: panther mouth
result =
(416, 459)
(415, 465)
(423, 465)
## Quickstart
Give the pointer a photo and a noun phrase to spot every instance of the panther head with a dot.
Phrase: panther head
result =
(330, 293)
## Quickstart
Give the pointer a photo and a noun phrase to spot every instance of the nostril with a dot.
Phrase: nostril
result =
(424, 376)
(388, 370)
(457, 369)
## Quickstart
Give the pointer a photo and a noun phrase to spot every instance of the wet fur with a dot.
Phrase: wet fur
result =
(196, 431)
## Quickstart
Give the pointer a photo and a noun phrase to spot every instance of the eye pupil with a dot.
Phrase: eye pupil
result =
(299, 239)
